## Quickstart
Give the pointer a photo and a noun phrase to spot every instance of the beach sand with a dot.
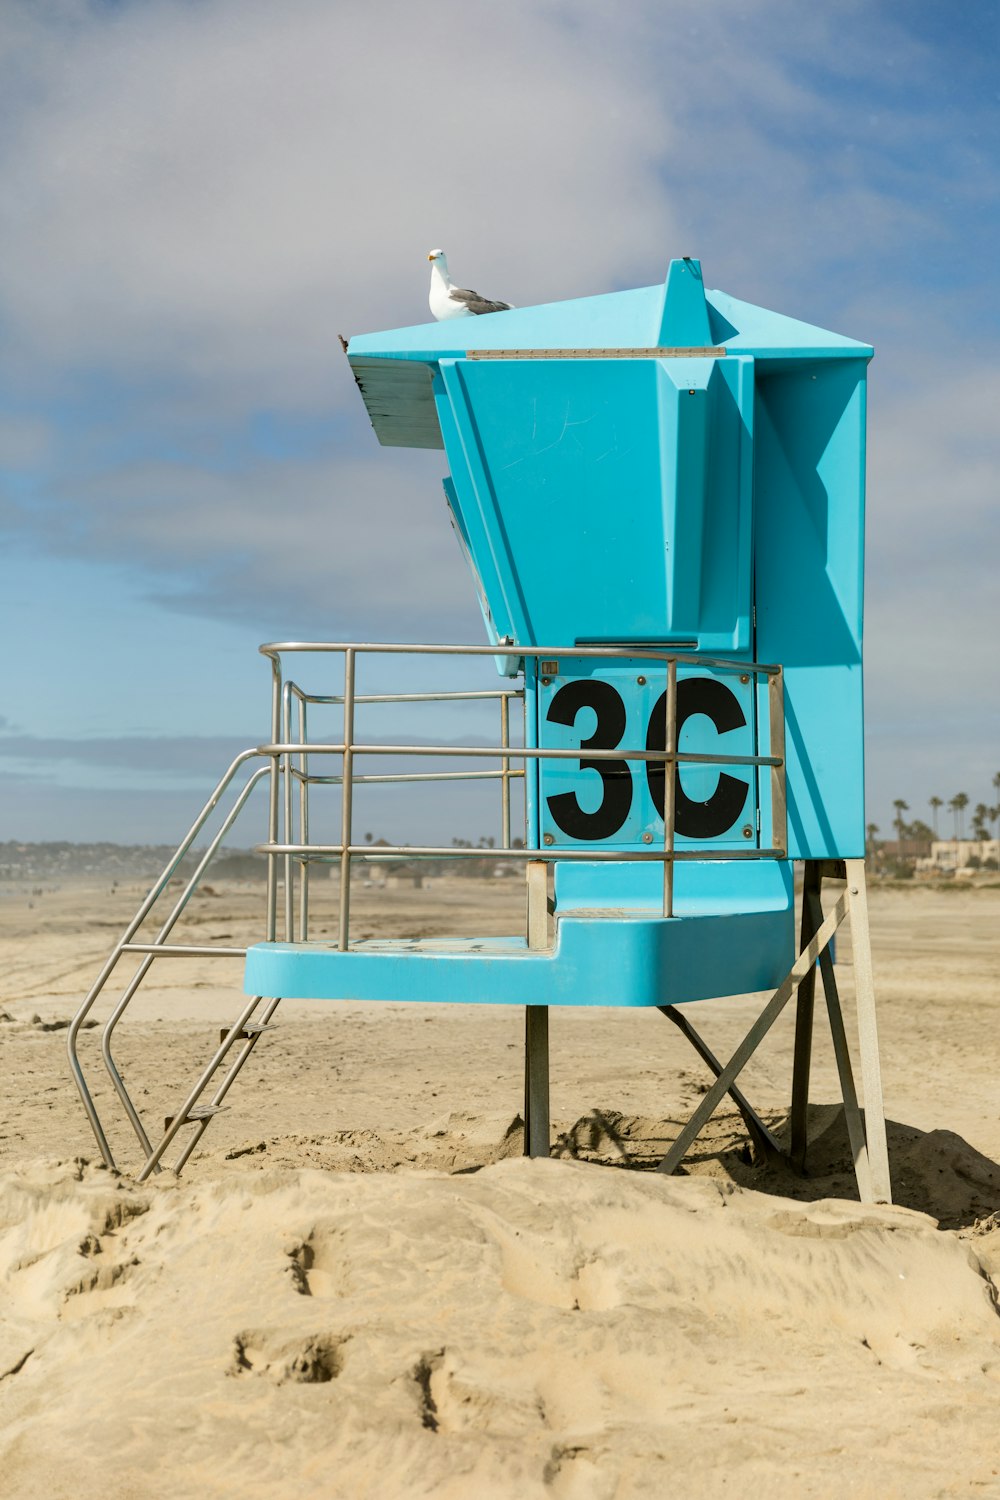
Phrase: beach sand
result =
(359, 1287)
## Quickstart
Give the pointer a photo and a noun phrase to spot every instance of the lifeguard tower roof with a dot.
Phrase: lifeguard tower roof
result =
(394, 368)
(666, 466)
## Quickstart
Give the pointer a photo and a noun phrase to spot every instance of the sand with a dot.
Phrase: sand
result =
(359, 1286)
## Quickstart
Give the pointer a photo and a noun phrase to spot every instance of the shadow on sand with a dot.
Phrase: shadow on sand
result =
(934, 1172)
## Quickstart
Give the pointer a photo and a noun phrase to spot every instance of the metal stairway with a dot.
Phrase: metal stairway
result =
(662, 963)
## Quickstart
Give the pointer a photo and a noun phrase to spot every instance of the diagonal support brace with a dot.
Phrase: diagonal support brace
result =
(758, 1031)
(766, 1143)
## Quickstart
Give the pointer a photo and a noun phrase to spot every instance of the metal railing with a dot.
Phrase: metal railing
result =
(295, 771)
(288, 768)
(285, 748)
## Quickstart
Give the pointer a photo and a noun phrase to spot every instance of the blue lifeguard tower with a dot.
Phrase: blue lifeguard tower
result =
(660, 496)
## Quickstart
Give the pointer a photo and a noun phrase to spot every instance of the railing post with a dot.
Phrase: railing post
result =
(346, 803)
(271, 919)
(670, 789)
(303, 822)
(776, 747)
(505, 772)
(286, 761)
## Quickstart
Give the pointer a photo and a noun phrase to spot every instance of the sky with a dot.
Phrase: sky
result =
(198, 196)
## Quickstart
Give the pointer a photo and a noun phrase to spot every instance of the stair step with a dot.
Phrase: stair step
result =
(252, 1028)
(196, 1112)
(203, 1111)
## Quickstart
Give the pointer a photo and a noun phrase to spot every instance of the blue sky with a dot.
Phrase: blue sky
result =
(197, 196)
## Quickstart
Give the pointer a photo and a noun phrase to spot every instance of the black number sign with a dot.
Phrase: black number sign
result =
(696, 820)
(589, 692)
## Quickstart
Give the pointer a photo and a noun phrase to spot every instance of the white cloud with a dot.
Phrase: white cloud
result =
(216, 190)
(25, 442)
(934, 539)
(219, 189)
(196, 198)
(344, 544)
(933, 614)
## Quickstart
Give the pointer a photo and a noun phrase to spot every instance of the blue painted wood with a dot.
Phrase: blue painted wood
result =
(684, 322)
(626, 959)
(809, 554)
(660, 499)
(714, 498)
(594, 494)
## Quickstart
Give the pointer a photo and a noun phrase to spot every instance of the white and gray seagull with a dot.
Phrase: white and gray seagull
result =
(449, 301)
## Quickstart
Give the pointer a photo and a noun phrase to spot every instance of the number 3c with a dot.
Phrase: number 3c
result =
(697, 820)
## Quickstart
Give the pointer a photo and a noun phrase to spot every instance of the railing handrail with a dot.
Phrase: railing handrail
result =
(548, 854)
(519, 752)
(290, 758)
(640, 651)
(286, 758)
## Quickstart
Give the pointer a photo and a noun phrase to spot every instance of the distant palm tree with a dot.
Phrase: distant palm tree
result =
(995, 820)
(935, 804)
(958, 804)
(871, 848)
(979, 817)
(900, 827)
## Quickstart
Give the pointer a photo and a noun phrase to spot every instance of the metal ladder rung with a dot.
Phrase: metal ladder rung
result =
(196, 1112)
(252, 1028)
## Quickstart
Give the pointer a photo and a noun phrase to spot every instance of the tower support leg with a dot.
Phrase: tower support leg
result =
(537, 1133)
(871, 1072)
(536, 1080)
(804, 1011)
(852, 1114)
(867, 1133)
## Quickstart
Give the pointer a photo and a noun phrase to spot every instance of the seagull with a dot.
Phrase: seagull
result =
(448, 301)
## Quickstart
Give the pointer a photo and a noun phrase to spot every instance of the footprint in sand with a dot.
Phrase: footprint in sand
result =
(314, 1360)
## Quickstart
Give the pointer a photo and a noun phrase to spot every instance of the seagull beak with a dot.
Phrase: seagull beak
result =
(432, 257)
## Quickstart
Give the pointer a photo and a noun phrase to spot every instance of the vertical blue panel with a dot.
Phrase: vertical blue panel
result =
(461, 532)
(809, 463)
(608, 500)
(685, 319)
(479, 528)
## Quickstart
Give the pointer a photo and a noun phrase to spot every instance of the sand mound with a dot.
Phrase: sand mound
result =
(360, 1288)
(533, 1329)
(934, 1172)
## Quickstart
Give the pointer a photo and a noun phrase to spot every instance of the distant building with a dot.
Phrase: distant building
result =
(963, 854)
(905, 848)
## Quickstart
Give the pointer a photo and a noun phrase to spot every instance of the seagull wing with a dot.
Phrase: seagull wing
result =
(474, 302)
